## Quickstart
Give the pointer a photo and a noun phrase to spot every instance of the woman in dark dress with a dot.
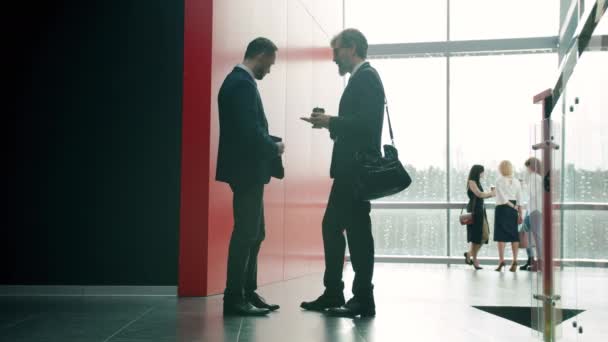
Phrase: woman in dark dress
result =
(475, 231)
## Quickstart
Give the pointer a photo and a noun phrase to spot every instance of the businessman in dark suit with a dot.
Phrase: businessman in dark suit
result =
(244, 161)
(358, 127)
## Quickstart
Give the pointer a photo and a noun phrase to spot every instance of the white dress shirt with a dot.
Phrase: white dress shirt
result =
(356, 68)
(533, 185)
(508, 189)
(246, 68)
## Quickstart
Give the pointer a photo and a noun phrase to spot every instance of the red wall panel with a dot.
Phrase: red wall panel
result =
(303, 77)
(236, 23)
(312, 80)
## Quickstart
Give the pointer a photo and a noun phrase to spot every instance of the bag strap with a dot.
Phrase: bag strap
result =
(388, 116)
(474, 202)
(390, 127)
(473, 206)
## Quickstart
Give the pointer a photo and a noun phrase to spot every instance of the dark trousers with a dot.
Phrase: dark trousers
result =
(345, 213)
(245, 242)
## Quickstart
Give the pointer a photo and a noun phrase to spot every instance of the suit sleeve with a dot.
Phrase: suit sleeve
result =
(369, 90)
(248, 126)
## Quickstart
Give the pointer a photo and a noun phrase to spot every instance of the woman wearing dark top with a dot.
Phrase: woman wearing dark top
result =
(475, 231)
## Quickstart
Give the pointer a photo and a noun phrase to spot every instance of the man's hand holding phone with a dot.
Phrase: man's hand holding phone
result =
(317, 118)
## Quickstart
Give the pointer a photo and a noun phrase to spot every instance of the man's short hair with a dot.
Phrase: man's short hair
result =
(260, 45)
(352, 38)
(534, 164)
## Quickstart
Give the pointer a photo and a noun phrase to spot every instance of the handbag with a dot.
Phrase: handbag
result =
(378, 176)
(467, 218)
(523, 239)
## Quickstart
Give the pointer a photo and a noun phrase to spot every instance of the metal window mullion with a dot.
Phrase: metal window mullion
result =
(447, 141)
(569, 206)
(563, 178)
(465, 47)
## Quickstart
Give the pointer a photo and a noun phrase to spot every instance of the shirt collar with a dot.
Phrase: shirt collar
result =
(246, 68)
(356, 68)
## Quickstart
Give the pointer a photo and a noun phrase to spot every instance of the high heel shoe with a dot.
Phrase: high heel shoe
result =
(513, 267)
(500, 266)
(467, 259)
(476, 266)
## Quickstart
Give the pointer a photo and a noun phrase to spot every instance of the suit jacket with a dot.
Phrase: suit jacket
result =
(245, 149)
(358, 126)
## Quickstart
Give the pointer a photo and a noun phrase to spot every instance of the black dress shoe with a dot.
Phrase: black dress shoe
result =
(260, 303)
(325, 301)
(243, 309)
(353, 309)
(526, 266)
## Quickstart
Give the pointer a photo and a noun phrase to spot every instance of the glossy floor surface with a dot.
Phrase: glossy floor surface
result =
(414, 303)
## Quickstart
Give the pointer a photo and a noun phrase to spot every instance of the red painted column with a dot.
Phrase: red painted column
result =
(198, 28)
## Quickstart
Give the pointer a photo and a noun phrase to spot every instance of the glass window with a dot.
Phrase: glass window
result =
(492, 19)
(602, 27)
(586, 234)
(409, 232)
(403, 21)
(586, 148)
(416, 93)
(586, 7)
(564, 8)
(492, 113)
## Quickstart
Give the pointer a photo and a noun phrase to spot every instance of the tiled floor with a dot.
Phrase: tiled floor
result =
(414, 303)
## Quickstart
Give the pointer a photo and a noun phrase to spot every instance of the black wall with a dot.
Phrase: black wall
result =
(98, 135)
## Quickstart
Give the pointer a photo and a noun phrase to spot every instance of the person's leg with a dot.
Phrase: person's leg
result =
(535, 264)
(334, 242)
(536, 230)
(247, 202)
(537, 241)
(499, 235)
(251, 273)
(475, 251)
(501, 252)
(515, 250)
(361, 247)
(529, 253)
(469, 254)
(530, 250)
(334, 245)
